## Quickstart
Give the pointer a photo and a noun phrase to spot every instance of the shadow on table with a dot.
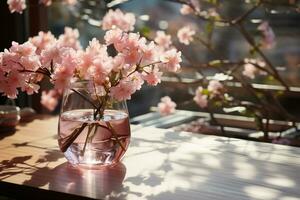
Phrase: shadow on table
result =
(7, 133)
(64, 178)
(209, 167)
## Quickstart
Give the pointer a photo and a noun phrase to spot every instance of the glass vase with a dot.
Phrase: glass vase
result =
(94, 129)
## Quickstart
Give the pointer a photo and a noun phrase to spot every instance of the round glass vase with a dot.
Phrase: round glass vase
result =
(93, 130)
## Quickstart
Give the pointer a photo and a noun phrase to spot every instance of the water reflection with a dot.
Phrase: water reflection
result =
(88, 182)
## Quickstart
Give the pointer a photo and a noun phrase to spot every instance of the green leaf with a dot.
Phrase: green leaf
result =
(145, 30)
(205, 92)
(215, 63)
(209, 27)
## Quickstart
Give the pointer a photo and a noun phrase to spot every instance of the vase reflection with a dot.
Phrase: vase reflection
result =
(91, 183)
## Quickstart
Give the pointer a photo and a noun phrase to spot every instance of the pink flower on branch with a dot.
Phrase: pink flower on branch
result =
(166, 106)
(70, 2)
(65, 69)
(215, 87)
(50, 99)
(185, 35)
(268, 39)
(162, 39)
(171, 60)
(200, 98)
(69, 39)
(16, 6)
(153, 77)
(118, 19)
(42, 41)
(186, 9)
(63, 61)
(123, 90)
(249, 70)
(46, 2)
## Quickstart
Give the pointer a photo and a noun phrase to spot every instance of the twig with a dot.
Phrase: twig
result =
(84, 97)
(250, 40)
(67, 141)
(115, 135)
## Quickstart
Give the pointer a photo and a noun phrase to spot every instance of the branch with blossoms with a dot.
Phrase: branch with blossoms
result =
(214, 90)
(135, 61)
(18, 6)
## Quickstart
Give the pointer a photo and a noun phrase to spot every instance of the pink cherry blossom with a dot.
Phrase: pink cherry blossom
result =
(118, 19)
(21, 57)
(132, 53)
(249, 70)
(268, 40)
(70, 2)
(123, 90)
(113, 36)
(31, 63)
(64, 71)
(162, 39)
(118, 63)
(133, 41)
(185, 35)
(166, 106)
(42, 41)
(136, 79)
(132, 57)
(16, 6)
(186, 9)
(69, 39)
(99, 70)
(51, 55)
(215, 87)
(31, 88)
(95, 51)
(9, 85)
(171, 60)
(150, 53)
(8, 90)
(49, 99)
(200, 98)
(153, 77)
(46, 2)
(25, 49)
(10, 61)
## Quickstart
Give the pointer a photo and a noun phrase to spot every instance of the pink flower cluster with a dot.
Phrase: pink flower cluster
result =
(251, 67)
(138, 61)
(16, 5)
(214, 89)
(166, 106)
(63, 60)
(249, 70)
(186, 9)
(20, 57)
(200, 98)
(20, 5)
(185, 35)
(268, 36)
(50, 99)
(118, 19)
(23, 66)
(163, 39)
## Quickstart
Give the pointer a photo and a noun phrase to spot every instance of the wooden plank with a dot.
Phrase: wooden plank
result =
(160, 164)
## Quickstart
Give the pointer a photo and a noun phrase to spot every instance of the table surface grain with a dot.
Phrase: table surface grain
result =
(160, 164)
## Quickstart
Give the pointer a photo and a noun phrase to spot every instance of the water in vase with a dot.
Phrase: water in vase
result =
(93, 143)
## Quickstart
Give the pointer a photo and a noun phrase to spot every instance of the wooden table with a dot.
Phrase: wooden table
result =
(160, 164)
